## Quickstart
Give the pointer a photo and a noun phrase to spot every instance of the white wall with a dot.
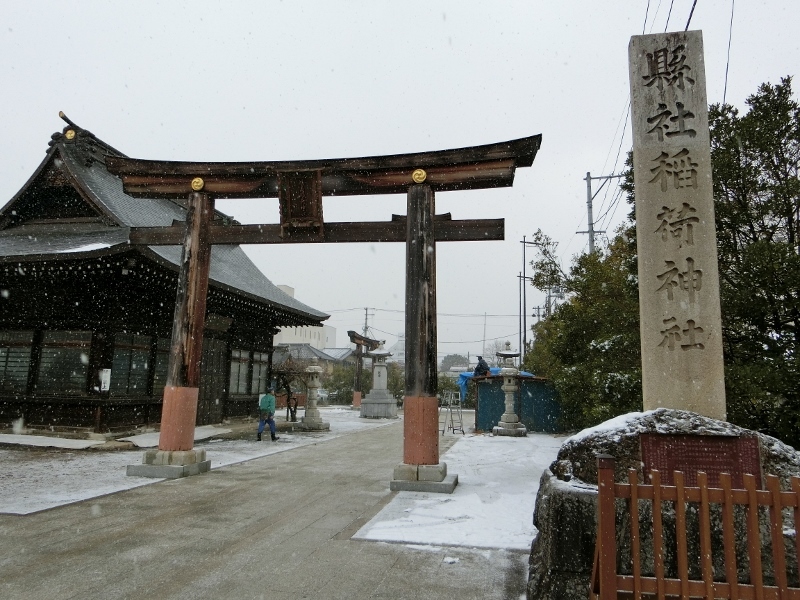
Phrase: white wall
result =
(317, 337)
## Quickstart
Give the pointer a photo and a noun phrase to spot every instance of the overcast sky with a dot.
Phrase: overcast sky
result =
(236, 81)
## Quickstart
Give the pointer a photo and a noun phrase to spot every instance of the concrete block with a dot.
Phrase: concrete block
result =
(166, 464)
(154, 456)
(432, 472)
(168, 471)
(437, 487)
(404, 472)
(309, 425)
(379, 407)
(519, 431)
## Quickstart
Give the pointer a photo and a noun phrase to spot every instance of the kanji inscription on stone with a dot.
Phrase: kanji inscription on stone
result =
(676, 238)
(690, 454)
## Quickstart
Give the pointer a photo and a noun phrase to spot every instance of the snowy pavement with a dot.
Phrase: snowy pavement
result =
(492, 506)
(36, 479)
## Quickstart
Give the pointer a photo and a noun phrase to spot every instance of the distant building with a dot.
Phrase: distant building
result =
(318, 337)
(307, 352)
(398, 350)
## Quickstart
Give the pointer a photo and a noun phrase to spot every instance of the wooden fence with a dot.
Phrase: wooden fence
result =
(607, 584)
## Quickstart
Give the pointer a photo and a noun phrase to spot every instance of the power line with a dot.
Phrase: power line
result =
(390, 310)
(728, 60)
(612, 207)
(669, 14)
(655, 15)
(690, 15)
(500, 337)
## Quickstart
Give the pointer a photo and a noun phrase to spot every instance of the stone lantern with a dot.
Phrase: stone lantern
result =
(379, 403)
(509, 423)
(312, 419)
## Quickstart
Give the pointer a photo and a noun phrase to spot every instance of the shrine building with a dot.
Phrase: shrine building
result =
(86, 316)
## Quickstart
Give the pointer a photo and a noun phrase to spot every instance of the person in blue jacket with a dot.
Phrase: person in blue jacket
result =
(266, 410)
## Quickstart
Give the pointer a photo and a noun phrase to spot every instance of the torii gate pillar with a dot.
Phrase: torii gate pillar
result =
(421, 469)
(176, 455)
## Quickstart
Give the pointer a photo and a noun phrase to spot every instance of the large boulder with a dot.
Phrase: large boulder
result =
(565, 513)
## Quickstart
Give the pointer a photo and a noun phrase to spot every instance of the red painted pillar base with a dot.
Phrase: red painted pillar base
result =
(421, 470)
(421, 430)
(356, 399)
(178, 418)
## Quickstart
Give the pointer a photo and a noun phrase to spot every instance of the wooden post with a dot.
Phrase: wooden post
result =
(421, 424)
(270, 355)
(606, 530)
(183, 373)
(357, 391)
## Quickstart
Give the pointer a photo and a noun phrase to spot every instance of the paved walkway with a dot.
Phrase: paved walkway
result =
(277, 527)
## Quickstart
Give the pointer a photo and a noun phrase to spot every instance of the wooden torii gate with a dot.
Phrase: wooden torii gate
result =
(361, 342)
(300, 187)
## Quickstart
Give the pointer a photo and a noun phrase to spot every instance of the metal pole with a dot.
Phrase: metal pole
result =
(524, 303)
(589, 210)
(589, 198)
(521, 310)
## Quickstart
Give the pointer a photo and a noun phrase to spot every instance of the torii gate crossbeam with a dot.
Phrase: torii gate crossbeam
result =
(300, 187)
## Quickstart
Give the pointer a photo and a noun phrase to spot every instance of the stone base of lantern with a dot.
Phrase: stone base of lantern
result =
(313, 422)
(171, 464)
(379, 404)
(510, 429)
(423, 478)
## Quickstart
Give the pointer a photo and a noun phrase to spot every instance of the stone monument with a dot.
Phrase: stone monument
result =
(509, 422)
(312, 421)
(379, 403)
(679, 304)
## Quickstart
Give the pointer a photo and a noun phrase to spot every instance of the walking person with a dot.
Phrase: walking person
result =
(266, 410)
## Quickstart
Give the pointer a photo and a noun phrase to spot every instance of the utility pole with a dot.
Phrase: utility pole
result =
(366, 316)
(589, 197)
(538, 310)
(484, 333)
(524, 312)
(521, 313)
(552, 296)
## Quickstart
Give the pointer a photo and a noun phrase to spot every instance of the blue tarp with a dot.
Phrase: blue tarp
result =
(463, 378)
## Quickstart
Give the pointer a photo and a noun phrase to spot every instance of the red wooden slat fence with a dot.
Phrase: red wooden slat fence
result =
(607, 584)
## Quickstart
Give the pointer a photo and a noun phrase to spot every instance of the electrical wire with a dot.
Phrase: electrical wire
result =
(627, 112)
(500, 337)
(655, 16)
(614, 202)
(728, 60)
(613, 207)
(669, 14)
(691, 13)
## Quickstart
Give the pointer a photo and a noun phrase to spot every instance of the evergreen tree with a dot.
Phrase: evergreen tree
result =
(589, 346)
(757, 202)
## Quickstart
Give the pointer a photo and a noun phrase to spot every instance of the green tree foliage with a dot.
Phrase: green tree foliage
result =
(452, 360)
(589, 347)
(339, 383)
(395, 380)
(757, 202)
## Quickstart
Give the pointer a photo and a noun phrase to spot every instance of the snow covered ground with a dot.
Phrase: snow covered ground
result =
(39, 479)
(492, 505)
